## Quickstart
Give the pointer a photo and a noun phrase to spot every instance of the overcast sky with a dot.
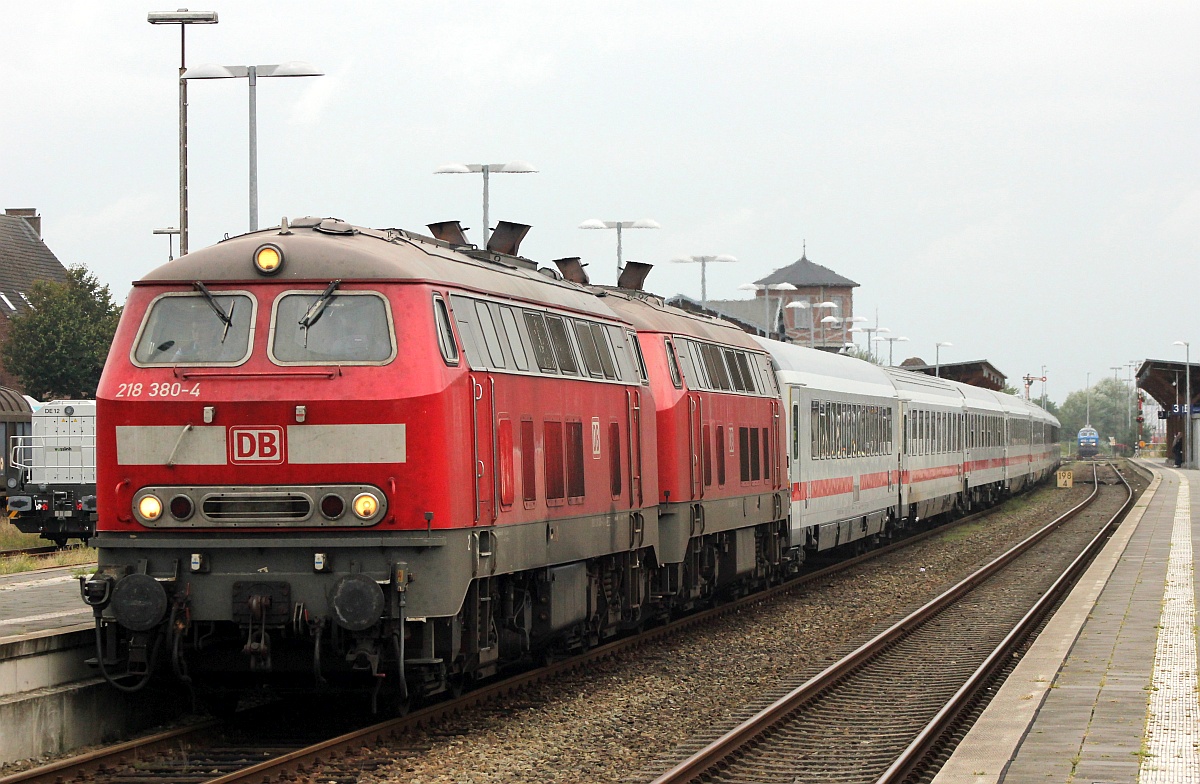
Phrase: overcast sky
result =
(1019, 179)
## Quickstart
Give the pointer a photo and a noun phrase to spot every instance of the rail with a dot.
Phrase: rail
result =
(720, 752)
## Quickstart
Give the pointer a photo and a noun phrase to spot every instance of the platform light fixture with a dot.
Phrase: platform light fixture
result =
(766, 289)
(937, 347)
(183, 18)
(641, 223)
(703, 261)
(487, 169)
(891, 344)
(251, 73)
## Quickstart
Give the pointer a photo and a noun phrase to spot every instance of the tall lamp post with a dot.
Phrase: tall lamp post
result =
(703, 261)
(937, 347)
(642, 223)
(512, 167)
(805, 305)
(251, 73)
(1187, 405)
(183, 18)
(170, 231)
(766, 289)
(891, 343)
(826, 305)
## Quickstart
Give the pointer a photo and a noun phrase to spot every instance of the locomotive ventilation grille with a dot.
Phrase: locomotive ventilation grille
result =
(258, 507)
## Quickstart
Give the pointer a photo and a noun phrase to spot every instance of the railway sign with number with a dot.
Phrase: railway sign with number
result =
(1066, 478)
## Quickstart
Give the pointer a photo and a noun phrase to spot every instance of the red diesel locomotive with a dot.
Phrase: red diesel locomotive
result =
(338, 457)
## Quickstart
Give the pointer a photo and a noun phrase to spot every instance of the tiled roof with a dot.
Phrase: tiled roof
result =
(24, 258)
(806, 273)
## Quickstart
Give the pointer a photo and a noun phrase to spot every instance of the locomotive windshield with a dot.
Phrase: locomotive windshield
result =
(331, 327)
(196, 329)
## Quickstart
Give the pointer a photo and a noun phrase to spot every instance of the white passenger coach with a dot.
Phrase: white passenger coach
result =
(870, 447)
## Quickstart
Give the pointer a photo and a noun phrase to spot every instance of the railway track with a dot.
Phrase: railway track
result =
(881, 713)
(30, 552)
(222, 753)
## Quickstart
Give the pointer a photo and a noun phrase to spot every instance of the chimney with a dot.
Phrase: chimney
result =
(30, 215)
(506, 238)
(573, 270)
(449, 231)
(634, 275)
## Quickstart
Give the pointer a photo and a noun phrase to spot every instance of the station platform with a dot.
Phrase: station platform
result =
(1107, 694)
(45, 600)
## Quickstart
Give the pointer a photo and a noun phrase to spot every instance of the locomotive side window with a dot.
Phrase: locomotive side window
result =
(744, 452)
(707, 438)
(606, 358)
(673, 364)
(489, 334)
(641, 362)
(543, 354)
(444, 334)
(715, 367)
(195, 329)
(689, 363)
(528, 464)
(720, 454)
(504, 451)
(743, 362)
(614, 459)
(513, 333)
(552, 434)
(562, 346)
(312, 328)
(574, 456)
(587, 347)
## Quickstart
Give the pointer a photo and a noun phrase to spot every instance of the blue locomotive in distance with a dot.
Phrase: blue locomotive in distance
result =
(1089, 442)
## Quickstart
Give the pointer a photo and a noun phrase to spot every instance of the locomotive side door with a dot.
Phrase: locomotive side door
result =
(483, 418)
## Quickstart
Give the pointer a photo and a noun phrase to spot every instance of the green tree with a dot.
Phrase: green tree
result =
(57, 347)
(1111, 412)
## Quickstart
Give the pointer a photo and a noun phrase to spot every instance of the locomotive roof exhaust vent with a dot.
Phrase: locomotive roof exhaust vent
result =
(449, 231)
(572, 269)
(634, 275)
(506, 238)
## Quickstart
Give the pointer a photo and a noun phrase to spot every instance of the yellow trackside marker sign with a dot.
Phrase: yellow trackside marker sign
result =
(1066, 478)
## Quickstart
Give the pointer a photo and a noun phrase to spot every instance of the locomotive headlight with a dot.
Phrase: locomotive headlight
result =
(268, 259)
(365, 505)
(150, 508)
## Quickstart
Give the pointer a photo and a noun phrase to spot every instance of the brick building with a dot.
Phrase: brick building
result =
(24, 259)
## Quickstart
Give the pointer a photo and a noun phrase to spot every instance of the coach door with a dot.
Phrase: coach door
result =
(483, 418)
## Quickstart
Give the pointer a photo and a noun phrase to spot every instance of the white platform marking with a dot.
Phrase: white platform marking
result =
(1172, 725)
(46, 617)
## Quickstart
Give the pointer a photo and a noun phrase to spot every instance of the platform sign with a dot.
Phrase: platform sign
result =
(1066, 478)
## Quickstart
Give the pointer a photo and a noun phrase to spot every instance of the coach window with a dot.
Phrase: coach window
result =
(539, 338)
(209, 328)
(445, 335)
(673, 364)
(515, 345)
(331, 327)
(562, 345)
(814, 431)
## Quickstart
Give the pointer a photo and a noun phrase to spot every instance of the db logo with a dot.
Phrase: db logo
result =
(256, 445)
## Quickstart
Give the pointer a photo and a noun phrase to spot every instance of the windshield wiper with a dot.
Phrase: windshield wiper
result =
(226, 318)
(318, 307)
